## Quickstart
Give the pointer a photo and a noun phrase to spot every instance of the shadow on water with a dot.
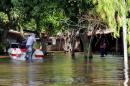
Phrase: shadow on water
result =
(61, 70)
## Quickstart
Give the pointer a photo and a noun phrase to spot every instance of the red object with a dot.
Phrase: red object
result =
(14, 48)
(23, 49)
(18, 55)
(13, 54)
(38, 56)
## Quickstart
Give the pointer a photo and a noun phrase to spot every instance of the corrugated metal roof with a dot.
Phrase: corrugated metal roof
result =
(105, 31)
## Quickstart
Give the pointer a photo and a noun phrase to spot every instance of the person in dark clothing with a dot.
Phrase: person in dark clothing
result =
(103, 49)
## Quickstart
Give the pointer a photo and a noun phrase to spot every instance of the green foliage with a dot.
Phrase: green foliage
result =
(31, 25)
(115, 14)
(129, 50)
(3, 18)
(128, 2)
(107, 10)
(5, 5)
(75, 8)
(38, 14)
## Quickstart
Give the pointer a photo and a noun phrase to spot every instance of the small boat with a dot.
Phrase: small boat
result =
(17, 53)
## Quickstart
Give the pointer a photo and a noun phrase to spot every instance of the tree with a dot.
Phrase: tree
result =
(74, 10)
(5, 21)
(107, 10)
(39, 16)
(114, 14)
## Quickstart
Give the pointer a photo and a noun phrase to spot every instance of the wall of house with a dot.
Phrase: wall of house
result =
(55, 44)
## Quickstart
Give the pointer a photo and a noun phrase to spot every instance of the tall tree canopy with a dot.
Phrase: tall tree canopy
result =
(38, 14)
(111, 11)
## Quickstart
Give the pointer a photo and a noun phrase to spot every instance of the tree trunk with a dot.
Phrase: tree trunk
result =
(73, 47)
(5, 32)
(38, 31)
(87, 44)
(116, 46)
(84, 40)
(67, 44)
(73, 40)
(6, 29)
(90, 44)
(90, 48)
(43, 44)
(60, 43)
(43, 38)
(20, 28)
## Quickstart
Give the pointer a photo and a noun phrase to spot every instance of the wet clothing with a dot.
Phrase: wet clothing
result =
(29, 53)
(103, 49)
(29, 47)
(30, 40)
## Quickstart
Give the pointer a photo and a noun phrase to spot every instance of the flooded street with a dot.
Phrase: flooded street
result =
(62, 70)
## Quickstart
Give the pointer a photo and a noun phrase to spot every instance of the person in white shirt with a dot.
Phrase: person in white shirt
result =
(29, 45)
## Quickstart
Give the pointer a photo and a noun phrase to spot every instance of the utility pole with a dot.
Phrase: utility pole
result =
(125, 44)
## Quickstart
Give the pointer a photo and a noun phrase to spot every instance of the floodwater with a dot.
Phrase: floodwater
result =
(61, 70)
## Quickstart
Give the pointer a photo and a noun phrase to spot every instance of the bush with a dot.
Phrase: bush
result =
(2, 48)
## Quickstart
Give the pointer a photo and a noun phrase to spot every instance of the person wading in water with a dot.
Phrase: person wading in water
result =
(29, 46)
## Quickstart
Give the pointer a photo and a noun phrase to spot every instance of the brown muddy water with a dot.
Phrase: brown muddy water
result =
(61, 70)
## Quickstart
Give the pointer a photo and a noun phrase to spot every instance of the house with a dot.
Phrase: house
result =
(14, 37)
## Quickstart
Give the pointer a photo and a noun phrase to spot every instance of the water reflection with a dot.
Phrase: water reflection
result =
(126, 74)
(18, 70)
(62, 70)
